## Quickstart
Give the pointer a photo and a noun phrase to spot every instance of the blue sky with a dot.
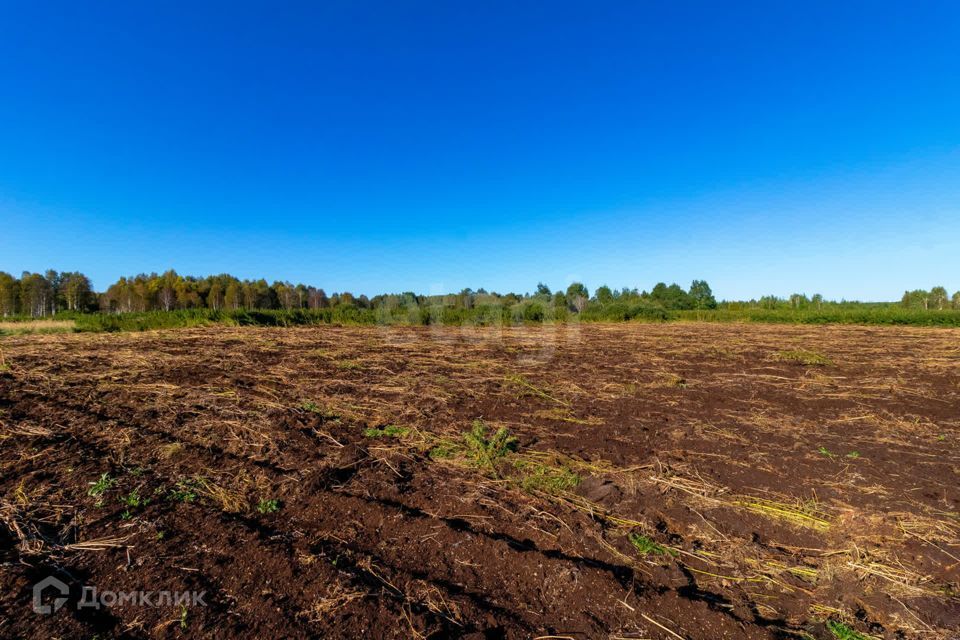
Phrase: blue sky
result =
(768, 147)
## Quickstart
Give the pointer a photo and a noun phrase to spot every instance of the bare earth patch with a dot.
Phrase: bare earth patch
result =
(586, 481)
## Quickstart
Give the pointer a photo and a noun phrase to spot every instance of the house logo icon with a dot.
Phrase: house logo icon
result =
(50, 583)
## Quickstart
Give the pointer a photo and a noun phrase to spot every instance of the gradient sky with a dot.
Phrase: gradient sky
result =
(768, 147)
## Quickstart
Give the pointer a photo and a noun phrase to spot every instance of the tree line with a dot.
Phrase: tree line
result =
(49, 293)
(935, 298)
(46, 294)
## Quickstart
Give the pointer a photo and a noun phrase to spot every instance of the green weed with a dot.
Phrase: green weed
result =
(320, 410)
(268, 506)
(183, 617)
(132, 501)
(476, 448)
(484, 451)
(553, 479)
(98, 488)
(390, 431)
(841, 631)
(185, 490)
(444, 451)
(647, 546)
(853, 455)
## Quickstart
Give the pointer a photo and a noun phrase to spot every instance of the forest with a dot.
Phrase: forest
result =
(170, 299)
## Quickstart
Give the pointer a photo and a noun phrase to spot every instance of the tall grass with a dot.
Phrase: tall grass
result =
(873, 314)
(143, 321)
(525, 312)
(20, 326)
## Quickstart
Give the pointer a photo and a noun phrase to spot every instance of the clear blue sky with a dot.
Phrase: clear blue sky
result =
(768, 147)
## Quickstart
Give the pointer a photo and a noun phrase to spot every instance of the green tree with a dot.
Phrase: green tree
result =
(215, 297)
(54, 281)
(9, 292)
(303, 295)
(603, 294)
(818, 300)
(318, 299)
(76, 290)
(939, 297)
(769, 302)
(249, 295)
(169, 283)
(257, 294)
(916, 299)
(286, 294)
(115, 295)
(672, 297)
(577, 296)
(35, 294)
(231, 297)
(956, 300)
(187, 295)
(465, 299)
(702, 295)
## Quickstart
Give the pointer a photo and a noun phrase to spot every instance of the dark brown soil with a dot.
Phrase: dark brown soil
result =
(771, 496)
